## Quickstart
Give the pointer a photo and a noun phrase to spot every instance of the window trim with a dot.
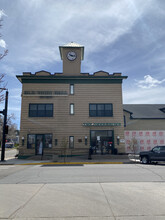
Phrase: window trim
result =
(104, 109)
(37, 116)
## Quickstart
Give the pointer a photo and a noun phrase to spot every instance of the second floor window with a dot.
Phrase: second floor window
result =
(72, 89)
(40, 110)
(100, 110)
(72, 109)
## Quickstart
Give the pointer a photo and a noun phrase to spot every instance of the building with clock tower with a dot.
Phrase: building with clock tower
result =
(70, 112)
(72, 54)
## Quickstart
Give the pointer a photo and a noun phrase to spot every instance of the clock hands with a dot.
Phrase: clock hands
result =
(71, 55)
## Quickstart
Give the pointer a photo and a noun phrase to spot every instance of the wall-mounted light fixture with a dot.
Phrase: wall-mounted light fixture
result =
(86, 138)
(23, 140)
(118, 140)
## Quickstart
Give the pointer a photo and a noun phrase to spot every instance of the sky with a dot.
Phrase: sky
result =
(126, 36)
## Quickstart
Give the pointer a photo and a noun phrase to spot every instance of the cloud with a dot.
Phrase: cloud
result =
(2, 13)
(8, 70)
(95, 26)
(147, 91)
(2, 43)
(143, 96)
(149, 82)
(15, 95)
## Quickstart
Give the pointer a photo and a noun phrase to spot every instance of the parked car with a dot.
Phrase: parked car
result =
(9, 145)
(156, 154)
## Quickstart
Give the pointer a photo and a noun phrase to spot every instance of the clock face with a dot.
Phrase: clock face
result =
(71, 55)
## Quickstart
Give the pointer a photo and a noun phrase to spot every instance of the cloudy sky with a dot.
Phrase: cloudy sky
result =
(126, 36)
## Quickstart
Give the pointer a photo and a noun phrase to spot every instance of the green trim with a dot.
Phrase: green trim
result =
(71, 79)
(24, 156)
(94, 81)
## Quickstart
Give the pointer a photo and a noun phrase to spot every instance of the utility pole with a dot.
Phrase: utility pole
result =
(4, 112)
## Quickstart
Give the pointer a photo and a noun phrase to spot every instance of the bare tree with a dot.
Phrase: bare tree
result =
(2, 86)
(5, 50)
(2, 55)
(64, 147)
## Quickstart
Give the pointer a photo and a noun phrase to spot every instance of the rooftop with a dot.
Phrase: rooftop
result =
(145, 111)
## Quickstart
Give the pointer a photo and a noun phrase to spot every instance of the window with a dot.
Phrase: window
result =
(124, 121)
(100, 110)
(156, 149)
(31, 141)
(72, 89)
(71, 142)
(92, 110)
(162, 109)
(40, 110)
(72, 109)
(33, 110)
(48, 141)
(162, 149)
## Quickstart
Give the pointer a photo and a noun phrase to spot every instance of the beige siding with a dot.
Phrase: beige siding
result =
(62, 124)
(72, 67)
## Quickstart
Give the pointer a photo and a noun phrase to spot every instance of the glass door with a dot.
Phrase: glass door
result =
(39, 144)
(102, 141)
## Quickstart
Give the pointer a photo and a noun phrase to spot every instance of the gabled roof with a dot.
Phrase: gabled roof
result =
(145, 111)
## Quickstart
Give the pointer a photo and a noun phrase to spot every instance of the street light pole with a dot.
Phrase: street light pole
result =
(4, 127)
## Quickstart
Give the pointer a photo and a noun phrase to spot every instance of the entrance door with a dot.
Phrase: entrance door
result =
(39, 144)
(102, 141)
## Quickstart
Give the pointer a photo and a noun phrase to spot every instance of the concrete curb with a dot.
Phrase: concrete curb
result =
(69, 163)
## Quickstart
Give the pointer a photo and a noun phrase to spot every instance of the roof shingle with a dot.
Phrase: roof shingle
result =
(148, 111)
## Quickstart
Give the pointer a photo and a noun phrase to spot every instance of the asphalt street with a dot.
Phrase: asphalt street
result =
(108, 192)
(95, 173)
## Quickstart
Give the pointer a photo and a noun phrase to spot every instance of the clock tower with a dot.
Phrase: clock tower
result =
(72, 54)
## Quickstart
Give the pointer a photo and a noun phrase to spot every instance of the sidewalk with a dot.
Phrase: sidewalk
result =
(95, 159)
